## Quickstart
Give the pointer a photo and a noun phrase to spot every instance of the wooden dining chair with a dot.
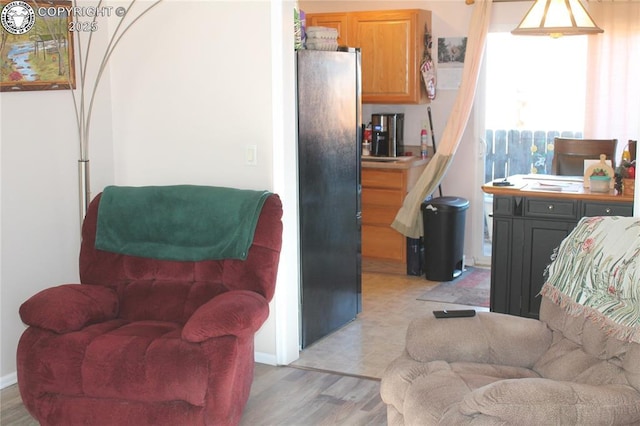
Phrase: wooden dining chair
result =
(569, 154)
(632, 149)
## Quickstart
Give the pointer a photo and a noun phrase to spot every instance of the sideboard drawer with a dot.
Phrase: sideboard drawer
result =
(390, 179)
(503, 206)
(383, 242)
(380, 215)
(382, 197)
(593, 208)
(551, 208)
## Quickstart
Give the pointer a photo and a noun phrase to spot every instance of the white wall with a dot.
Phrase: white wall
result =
(40, 219)
(187, 112)
(203, 93)
(40, 226)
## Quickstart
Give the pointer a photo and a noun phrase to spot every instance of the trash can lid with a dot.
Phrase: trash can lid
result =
(446, 204)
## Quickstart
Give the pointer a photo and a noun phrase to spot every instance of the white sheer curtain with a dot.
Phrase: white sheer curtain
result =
(408, 221)
(613, 75)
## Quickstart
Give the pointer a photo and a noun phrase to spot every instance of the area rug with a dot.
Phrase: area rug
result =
(471, 288)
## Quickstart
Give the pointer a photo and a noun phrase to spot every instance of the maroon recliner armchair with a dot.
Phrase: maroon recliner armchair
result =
(148, 341)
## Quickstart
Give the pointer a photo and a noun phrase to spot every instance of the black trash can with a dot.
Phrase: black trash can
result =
(443, 219)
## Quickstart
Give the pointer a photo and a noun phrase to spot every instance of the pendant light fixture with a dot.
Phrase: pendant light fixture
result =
(556, 18)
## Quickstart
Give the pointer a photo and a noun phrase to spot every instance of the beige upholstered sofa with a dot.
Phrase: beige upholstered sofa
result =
(578, 365)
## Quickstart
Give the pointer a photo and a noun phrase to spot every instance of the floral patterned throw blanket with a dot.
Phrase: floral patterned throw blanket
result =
(596, 273)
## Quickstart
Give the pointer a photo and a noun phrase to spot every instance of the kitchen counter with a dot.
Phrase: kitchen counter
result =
(398, 163)
(384, 187)
(549, 186)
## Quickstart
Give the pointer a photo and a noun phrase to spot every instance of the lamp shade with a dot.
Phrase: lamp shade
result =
(557, 18)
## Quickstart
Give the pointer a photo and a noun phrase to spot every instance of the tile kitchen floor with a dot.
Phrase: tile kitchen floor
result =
(365, 346)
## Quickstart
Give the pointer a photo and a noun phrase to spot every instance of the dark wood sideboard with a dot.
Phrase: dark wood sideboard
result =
(528, 224)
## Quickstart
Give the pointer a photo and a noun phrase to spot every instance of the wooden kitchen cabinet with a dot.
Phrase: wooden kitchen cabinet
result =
(384, 187)
(392, 46)
(339, 21)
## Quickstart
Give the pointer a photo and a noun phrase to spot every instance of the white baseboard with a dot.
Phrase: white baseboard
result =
(8, 380)
(264, 358)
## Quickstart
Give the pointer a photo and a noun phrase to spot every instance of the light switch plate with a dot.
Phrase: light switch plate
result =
(252, 155)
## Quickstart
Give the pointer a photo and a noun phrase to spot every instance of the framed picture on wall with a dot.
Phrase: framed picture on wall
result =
(36, 50)
(451, 52)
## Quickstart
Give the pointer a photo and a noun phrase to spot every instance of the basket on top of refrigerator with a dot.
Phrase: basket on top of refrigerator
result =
(322, 38)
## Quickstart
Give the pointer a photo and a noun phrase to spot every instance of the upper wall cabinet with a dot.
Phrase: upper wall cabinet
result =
(339, 21)
(392, 46)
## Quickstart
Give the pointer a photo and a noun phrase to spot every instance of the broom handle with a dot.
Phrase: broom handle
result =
(433, 141)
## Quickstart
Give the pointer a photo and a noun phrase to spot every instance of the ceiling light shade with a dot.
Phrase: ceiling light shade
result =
(557, 18)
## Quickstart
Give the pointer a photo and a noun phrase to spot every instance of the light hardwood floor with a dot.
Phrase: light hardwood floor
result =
(336, 380)
(280, 396)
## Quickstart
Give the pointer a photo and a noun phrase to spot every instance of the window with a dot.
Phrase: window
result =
(535, 90)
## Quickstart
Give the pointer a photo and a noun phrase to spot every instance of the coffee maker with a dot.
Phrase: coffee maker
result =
(387, 137)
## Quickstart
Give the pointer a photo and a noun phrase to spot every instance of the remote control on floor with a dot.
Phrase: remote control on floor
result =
(455, 313)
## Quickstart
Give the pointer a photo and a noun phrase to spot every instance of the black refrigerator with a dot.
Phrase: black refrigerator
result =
(329, 134)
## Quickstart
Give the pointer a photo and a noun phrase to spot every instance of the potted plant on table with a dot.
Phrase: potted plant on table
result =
(600, 180)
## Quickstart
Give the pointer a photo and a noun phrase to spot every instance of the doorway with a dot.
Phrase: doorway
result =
(532, 89)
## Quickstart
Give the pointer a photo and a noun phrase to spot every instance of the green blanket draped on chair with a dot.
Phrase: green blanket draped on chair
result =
(180, 222)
